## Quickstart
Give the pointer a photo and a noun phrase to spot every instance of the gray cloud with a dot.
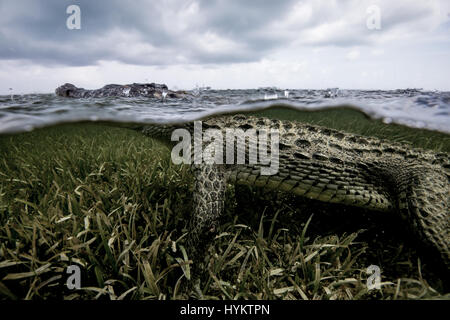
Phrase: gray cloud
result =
(37, 30)
(187, 32)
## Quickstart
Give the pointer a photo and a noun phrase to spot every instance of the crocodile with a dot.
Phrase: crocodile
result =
(150, 90)
(327, 165)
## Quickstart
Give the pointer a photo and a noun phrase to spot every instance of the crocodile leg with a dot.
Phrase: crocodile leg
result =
(209, 194)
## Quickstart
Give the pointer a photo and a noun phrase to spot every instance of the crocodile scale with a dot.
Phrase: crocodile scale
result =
(331, 166)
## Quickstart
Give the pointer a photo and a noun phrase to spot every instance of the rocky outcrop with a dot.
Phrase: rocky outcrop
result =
(151, 90)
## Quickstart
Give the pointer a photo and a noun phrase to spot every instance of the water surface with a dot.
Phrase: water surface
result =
(410, 107)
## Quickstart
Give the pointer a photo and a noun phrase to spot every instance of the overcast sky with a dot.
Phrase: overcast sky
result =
(226, 44)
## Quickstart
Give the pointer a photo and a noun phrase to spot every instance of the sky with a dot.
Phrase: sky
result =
(235, 44)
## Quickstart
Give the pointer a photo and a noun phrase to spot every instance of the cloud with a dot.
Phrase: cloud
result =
(141, 33)
(204, 31)
(235, 42)
(353, 54)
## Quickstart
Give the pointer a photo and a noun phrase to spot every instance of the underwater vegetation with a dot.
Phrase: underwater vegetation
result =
(110, 200)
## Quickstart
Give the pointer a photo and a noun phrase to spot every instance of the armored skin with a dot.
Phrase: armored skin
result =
(150, 90)
(330, 166)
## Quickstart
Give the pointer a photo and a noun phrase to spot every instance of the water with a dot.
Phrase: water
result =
(57, 182)
(410, 107)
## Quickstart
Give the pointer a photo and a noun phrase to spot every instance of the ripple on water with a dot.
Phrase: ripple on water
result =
(414, 108)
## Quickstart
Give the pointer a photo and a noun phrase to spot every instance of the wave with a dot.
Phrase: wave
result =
(423, 110)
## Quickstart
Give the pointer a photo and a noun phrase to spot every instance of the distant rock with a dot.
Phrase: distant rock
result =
(151, 90)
